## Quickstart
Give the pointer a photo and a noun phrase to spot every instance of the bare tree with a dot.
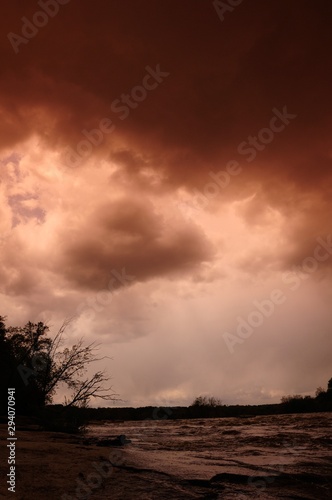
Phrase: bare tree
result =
(68, 366)
(45, 364)
(205, 401)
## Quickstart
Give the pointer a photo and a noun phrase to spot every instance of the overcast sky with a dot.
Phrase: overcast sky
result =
(166, 181)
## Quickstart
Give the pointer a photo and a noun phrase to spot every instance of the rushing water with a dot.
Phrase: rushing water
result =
(280, 456)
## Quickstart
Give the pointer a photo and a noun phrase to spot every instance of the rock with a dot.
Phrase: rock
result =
(118, 441)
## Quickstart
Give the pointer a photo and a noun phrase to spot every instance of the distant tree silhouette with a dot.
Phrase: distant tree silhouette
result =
(329, 385)
(319, 391)
(206, 401)
(321, 402)
(322, 395)
(205, 407)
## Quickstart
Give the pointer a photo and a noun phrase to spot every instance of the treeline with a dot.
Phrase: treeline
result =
(299, 404)
(204, 407)
(36, 365)
(180, 412)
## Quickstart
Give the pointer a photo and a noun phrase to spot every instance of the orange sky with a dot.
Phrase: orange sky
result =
(162, 172)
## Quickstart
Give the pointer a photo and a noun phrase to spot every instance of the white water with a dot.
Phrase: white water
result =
(258, 447)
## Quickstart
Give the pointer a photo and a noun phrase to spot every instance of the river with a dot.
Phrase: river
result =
(279, 456)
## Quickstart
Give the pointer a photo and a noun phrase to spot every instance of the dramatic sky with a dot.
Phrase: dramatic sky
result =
(166, 182)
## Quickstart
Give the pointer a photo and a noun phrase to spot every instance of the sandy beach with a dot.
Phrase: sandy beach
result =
(59, 466)
(169, 460)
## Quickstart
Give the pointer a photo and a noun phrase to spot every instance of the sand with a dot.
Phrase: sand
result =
(61, 466)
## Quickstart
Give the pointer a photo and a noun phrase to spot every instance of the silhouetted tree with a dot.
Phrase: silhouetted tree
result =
(36, 365)
(205, 406)
(206, 401)
(329, 385)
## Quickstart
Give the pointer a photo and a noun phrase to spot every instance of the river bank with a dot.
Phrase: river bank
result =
(261, 457)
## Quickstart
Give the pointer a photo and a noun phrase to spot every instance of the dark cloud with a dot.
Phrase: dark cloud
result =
(115, 207)
(225, 78)
(128, 234)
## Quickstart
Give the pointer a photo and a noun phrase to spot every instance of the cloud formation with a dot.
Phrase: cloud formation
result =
(114, 115)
